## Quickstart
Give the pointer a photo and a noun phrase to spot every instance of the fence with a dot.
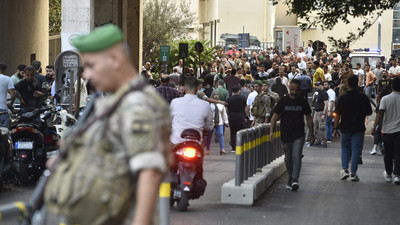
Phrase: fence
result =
(261, 46)
(254, 150)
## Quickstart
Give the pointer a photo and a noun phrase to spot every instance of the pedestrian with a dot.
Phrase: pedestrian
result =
(292, 109)
(166, 91)
(306, 85)
(389, 113)
(236, 114)
(231, 80)
(279, 88)
(249, 106)
(223, 93)
(319, 73)
(6, 86)
(118, 156)
(321, 110)
(220, 119)
(351, 110)
(331, 108)
(261, 109)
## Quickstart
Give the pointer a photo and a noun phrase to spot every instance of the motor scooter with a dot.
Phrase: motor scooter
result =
(187, 171)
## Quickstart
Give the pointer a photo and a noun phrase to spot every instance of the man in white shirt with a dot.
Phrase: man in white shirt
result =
(360, 74)
(262, 74)
(249, 104)
(294, 74)
(394, 70)
(6, 86)
(301, 52)
(389, 112)
(309, 49)
(301, 64)
(190, 112)
(327, 75)
(331, 108)
(179, 67)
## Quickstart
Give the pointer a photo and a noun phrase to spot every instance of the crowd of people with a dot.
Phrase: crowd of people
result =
(250, 86)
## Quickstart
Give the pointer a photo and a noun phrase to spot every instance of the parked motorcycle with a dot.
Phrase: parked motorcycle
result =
(187, 172)
(28, 141)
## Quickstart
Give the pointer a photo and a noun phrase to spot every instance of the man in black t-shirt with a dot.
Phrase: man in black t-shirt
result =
(30, 90)
(321, 110)
(236, 114)
(292, 109)
(351, 110)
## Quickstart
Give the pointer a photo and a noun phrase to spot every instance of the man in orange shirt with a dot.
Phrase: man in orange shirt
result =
(370, 79)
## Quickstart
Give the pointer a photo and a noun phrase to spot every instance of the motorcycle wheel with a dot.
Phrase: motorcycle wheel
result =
(183, 201)
(24, 173)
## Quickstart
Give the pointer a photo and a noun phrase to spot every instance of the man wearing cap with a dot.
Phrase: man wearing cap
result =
(117, 157)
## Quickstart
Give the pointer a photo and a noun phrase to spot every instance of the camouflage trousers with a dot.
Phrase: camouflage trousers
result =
(319, 128)
(259, 120)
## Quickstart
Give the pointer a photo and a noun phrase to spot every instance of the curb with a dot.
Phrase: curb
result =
(255, 186)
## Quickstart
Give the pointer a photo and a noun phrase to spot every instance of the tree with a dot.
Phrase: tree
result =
(327, 13)
(54, 17)
(164, 20)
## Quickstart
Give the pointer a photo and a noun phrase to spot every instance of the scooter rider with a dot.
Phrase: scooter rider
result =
(190, 112)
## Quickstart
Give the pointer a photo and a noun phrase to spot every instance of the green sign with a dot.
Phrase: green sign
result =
(164, 53)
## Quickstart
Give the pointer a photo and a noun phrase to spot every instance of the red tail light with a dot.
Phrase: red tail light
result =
(23, 156)
(28, 129)
(49, 138)
(188, 153)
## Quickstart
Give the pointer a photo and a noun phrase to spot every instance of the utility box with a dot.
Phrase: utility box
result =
(68, 71)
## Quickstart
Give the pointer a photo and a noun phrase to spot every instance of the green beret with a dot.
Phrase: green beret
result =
(259, 82)
(100, 39)
(265, 82)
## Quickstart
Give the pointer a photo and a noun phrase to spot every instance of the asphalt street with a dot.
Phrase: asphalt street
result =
(322, 198)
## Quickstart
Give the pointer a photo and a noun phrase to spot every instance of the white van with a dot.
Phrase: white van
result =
(372, 56)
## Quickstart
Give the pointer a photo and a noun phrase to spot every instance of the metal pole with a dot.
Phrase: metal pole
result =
(246, 154)
(215, 33)
(78, 96)
(379, 32)
(239, 159)
(165, 198)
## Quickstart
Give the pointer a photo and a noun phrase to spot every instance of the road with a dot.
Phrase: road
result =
(321, 199)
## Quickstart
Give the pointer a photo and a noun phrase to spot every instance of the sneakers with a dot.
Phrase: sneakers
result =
(233, 150)
(344, 174)
(387, 177)
(373, 151)
(329, 141)
(295, 186)
(397, 180)
(354, 177)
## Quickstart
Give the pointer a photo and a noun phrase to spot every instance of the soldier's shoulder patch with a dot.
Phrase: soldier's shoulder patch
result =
(141, 126)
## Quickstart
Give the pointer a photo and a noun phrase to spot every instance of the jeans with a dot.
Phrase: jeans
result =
(235, 126)
(329, 128)
(319, 128)
(392, 151)
(351, 142)
(4, 118)
(368, 93)
(219, 130)
(293, 154)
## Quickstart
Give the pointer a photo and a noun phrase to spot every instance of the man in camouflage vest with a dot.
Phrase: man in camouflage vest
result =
(114, 164)
(261, 109)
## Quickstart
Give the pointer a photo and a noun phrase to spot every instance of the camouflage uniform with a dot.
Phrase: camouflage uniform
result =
(134, 137)
(343, 82)
(266, 101)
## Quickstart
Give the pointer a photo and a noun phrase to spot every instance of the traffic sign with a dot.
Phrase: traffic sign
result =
(199, 47)
(244, 40)
(183, 50)
(164, 53)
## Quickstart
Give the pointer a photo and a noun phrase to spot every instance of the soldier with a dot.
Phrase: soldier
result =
(117, 158)
(344, 74)
(261, 109)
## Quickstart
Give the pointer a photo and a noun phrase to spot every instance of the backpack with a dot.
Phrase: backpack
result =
(91, 184)
(259, 108)
(274, 99)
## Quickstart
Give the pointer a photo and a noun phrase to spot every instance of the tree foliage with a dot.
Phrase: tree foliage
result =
(192, 61)
(327, 13)
(54, 17)
(164, 20)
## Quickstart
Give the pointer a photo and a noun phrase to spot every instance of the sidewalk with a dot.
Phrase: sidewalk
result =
(322, 198)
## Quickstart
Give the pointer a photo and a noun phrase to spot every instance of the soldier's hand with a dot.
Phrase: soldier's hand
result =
(373, 131)
(271, 136)
(312, 140)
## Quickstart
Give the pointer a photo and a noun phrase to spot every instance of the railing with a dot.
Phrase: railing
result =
(254, 150)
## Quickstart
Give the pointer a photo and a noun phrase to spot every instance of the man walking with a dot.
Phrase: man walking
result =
(331, 108)
(321, 108)
(6, 86)
(389, 111)
(236, 114)
(261, 109)
(292, 109)
(352, 108)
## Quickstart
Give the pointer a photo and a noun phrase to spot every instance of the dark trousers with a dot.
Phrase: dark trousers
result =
(235, 126)
(392, 151)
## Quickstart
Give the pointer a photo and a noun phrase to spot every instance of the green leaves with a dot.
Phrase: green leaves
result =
(54, 17)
